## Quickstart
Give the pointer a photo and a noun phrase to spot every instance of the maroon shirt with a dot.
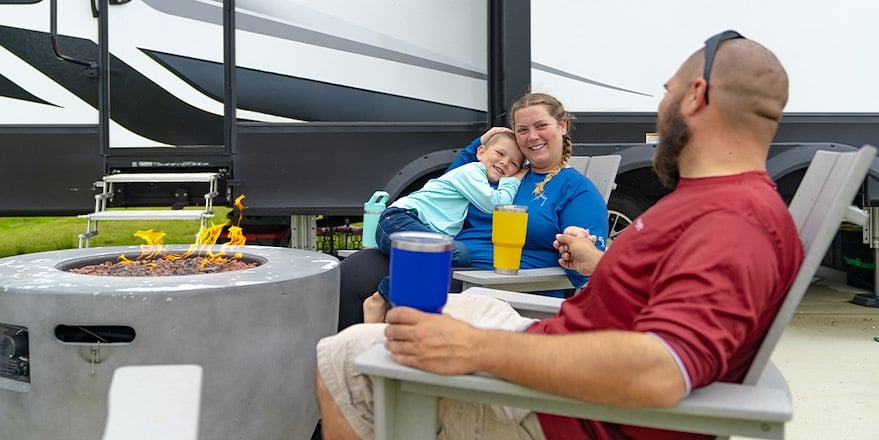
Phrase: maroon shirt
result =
(705, 270)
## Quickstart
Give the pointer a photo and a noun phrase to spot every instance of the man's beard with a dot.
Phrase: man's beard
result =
(673, 135)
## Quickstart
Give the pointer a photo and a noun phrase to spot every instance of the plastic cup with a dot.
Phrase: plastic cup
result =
(421, 267)
(509, 225)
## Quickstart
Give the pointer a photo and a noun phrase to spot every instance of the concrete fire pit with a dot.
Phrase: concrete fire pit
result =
(253, 331)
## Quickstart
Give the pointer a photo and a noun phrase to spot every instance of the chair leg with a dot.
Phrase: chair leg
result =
(872, 229)
(402, 415)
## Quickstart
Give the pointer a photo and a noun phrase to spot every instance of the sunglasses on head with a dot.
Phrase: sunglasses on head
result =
(711, 46)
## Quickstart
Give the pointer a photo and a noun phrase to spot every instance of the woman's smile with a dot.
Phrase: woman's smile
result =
(537, 147)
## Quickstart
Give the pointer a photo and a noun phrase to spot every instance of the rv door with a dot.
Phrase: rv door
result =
(166, 73)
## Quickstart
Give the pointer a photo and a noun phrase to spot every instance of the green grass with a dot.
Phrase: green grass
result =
(24, 235)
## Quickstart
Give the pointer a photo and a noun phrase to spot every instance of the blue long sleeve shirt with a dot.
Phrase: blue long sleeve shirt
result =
(569, 199)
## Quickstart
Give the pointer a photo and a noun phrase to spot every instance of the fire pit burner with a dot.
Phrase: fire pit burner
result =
(162, 267)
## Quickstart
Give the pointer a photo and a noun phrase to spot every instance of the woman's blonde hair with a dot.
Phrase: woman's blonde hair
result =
(557, 111)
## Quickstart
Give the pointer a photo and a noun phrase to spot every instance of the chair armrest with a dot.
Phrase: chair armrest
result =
(527, 304)
(527, 280)
(856, 215)
(720, 408)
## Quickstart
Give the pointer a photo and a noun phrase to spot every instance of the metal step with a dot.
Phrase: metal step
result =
(147, 215)
(160, 177)
(106, 184)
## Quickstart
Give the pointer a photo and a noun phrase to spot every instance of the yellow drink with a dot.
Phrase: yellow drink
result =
(509, 225)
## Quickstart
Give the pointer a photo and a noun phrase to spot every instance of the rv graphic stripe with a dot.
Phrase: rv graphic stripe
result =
(264, 18)
(137, 103)
(10, 89)
(309, 100)
(553, 70)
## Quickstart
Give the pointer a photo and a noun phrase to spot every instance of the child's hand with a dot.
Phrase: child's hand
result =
(491, 132)
(521, 173)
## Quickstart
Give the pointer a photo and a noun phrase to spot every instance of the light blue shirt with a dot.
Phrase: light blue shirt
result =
(443, 202)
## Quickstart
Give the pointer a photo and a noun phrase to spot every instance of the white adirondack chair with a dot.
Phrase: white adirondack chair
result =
(406, 398)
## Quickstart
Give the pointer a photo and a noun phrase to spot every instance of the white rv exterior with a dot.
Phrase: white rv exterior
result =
(826, 48)
(309, 106)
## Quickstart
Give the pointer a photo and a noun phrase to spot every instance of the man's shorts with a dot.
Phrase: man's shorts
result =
(352, 391)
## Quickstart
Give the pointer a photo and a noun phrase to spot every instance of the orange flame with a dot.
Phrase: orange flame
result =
(207, 236)
(240, 207)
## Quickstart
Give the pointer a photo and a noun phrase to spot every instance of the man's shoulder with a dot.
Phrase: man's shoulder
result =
(720, 206)
(746, 192)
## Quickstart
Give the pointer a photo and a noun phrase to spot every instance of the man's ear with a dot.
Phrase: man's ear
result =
(694, 101)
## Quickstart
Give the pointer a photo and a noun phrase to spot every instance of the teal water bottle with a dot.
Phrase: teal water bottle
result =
(372, 209)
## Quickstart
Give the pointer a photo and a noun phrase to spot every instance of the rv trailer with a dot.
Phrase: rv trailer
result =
(308, 107)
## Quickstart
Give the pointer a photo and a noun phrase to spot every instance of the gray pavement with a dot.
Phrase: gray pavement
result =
(831, 361)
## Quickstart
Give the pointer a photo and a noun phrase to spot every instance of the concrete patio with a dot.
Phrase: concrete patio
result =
(831, 362)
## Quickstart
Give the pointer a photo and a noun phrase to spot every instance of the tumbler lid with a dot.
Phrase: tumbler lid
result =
(511, 208)
(421, 241)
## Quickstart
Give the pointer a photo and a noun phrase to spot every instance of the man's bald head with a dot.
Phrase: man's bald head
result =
(748, 86)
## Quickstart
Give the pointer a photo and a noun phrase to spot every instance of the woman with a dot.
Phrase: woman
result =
(556, 196)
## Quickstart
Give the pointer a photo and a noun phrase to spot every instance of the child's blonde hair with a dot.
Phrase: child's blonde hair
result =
(498, 136)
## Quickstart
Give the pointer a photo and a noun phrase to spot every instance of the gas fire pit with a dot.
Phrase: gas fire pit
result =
(253, 331)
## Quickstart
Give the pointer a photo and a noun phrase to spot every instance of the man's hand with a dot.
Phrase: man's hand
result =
(431, 342)
(577, 250)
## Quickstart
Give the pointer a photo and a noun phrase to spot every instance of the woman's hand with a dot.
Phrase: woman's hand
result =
(577, 250)
(491, 132)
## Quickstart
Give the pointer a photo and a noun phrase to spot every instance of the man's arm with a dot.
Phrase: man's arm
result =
(617, 368)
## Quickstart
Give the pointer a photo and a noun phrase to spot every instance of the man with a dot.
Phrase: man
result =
(682, 298)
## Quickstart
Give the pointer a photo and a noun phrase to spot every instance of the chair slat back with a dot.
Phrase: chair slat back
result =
(819, 205)
(601, 170)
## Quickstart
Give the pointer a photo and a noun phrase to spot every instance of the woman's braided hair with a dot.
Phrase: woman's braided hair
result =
(557, 111)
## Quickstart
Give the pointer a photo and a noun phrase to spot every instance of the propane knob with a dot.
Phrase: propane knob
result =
(12, 346)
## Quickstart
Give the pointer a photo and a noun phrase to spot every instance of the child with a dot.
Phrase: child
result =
(441, 205)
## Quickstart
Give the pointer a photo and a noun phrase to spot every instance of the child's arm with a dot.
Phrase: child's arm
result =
(472, 183)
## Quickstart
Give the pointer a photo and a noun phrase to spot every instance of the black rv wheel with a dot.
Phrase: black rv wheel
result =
(623, 208)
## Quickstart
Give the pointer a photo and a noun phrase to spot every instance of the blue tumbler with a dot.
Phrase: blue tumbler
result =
(372, 209)
(421, 267)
